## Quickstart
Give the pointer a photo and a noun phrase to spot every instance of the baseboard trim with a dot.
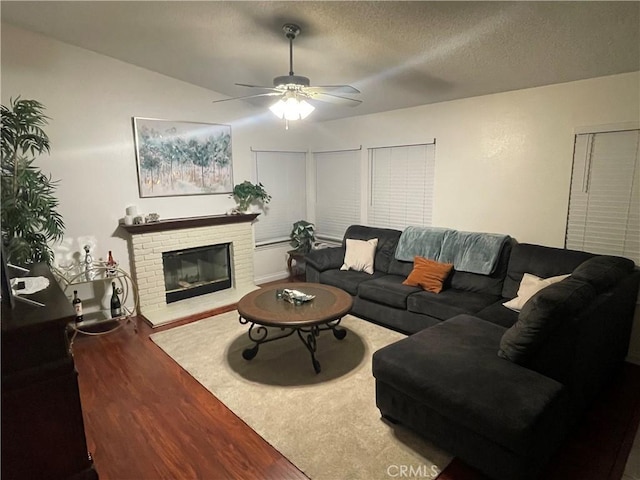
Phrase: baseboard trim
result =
(271, 278)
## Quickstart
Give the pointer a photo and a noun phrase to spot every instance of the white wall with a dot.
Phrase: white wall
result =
(91, 99)
(503, 161)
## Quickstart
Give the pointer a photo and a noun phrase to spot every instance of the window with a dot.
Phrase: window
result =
(337, 192)
(604, 203)
(401, 185)
(283, 175)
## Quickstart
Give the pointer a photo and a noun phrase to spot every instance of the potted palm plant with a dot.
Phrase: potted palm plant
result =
(247, 193)
(30, 221)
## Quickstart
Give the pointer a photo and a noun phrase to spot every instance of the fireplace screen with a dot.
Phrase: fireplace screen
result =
(196, 271)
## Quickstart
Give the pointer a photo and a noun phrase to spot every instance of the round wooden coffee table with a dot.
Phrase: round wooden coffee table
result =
(262, 308)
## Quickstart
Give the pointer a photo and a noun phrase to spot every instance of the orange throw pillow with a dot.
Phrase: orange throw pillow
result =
(428, 274)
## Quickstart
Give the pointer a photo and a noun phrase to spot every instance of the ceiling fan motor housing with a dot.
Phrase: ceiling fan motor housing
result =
(291, 30)
(295, 81)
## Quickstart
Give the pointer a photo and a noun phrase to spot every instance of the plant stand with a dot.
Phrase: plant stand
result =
(296, 265)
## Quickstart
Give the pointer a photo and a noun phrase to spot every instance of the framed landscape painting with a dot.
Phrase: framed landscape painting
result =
(182, 158)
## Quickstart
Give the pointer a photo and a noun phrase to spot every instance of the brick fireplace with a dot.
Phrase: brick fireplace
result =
(149, 241)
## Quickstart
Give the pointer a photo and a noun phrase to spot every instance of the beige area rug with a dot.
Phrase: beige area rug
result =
(326, 424)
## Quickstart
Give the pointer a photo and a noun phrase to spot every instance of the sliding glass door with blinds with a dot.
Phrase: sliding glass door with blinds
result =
(401, 185)
(604, 204)
(337, 192)
(283, 175)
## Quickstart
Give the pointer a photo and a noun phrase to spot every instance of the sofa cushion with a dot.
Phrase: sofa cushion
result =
(347, 280)
(400, 267)
(603, 272)
(394, 318)
(387, 242)
(452, 368)
(499, 314)
(387, 290)
(448, 303)
(359, 255)
(541, 315)
(428, 274)
(325, 258)
(543, 262)
(490, 284)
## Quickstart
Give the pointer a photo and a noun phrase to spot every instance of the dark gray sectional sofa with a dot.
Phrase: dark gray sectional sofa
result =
(497, 388)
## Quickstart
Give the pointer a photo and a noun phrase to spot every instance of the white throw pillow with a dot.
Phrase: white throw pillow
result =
(529, 286)
(359, 255)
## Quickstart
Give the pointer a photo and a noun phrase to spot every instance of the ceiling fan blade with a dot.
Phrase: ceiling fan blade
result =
(333, 88)
(257, 86)
(248, 96)
(337, 99)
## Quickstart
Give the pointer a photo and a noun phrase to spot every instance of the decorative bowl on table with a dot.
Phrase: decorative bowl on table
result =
(296, 297)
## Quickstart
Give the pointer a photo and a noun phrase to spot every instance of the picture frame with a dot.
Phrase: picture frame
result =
(178, 158)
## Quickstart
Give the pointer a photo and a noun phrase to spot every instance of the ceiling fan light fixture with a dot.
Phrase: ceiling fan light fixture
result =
(304, 109)
(290, 108)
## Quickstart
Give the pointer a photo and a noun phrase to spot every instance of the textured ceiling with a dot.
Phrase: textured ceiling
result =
(399, 54)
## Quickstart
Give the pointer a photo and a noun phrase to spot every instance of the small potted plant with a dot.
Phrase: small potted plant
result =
(246, 193)
(302, 236)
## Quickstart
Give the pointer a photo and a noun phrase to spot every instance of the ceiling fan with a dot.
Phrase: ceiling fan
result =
(295, 90)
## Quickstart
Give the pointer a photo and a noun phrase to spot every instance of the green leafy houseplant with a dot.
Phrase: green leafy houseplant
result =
(302, 236)
(246, 193)
(28, 214)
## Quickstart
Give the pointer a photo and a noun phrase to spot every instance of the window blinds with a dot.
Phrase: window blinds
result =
(337, 192)
(604, 203)
(283, 175)
(401, 185)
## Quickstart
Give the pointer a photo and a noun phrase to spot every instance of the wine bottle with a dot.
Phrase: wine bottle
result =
(111, 264)
(116, 306)
(77, 305)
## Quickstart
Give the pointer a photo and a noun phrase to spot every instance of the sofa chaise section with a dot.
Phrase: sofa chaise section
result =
(448, 384)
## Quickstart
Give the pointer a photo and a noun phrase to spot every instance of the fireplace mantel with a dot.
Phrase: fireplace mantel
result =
(189, 222)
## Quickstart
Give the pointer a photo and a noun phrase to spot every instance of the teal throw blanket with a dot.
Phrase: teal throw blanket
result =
(468, 251)
(472, 252)
(420, 241)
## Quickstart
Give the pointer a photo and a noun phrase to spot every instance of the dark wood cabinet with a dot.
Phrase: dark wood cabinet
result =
(42, 426)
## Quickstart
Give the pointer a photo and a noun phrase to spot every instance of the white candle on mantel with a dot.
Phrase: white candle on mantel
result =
(132, 210)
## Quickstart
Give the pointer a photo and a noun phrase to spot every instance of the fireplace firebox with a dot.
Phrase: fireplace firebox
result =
(196, 271)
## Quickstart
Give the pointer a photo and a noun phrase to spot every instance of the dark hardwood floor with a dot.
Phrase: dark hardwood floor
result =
(146, 418)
